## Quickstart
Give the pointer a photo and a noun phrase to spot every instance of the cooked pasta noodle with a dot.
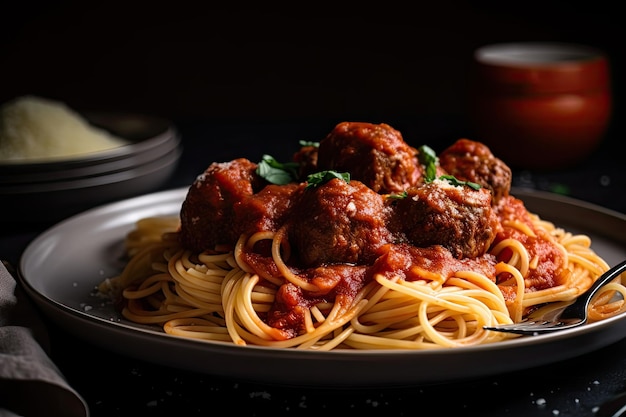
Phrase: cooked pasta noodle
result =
(218, 297)
(416, 251)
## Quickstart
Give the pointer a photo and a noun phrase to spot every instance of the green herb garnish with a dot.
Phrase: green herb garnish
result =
(560, 189)
(398, 196)
(458, 183)
(323, 177)
(429, 159)
(275, 172)
(309, 143)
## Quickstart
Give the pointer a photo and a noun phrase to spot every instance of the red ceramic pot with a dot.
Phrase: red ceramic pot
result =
(540, 105)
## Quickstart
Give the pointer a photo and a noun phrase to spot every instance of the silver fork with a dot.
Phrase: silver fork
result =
(572, 315)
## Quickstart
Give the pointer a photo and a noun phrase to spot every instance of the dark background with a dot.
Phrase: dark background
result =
(258, 61)
(234, 77)
(238, 79)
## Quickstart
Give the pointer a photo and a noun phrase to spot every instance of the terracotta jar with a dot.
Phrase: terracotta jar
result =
(540, 105)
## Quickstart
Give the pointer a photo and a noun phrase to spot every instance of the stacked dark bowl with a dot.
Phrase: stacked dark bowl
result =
(35, 191)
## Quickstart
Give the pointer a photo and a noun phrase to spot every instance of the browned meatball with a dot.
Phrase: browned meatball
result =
(207, 216)
(267, 209)
(306, 157)
(374, 154)
(338, 222)
(458, 218)
(473, 161)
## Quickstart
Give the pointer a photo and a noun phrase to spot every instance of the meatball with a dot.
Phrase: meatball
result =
(374, 154)
(458, 218)
(473, 161)
(207, 215)
(338, 222)
(306, 158)
(267, 209)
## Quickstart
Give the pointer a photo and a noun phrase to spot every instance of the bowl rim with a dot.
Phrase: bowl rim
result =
(64, 172)
(537, 53)
(135, 146)
(79, 183)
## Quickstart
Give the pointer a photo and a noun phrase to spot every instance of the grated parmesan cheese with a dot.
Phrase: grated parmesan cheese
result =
(33, 128)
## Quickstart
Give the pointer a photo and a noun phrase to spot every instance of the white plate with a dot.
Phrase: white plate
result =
(62, 266)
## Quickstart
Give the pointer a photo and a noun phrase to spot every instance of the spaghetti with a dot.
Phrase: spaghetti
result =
(396, 295)
(217, 297)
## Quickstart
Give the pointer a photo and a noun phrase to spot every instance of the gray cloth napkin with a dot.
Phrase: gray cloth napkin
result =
(30, 383)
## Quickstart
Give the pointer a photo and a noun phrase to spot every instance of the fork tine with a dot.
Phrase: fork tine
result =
(524, 325)
(524, 330)
(574, 314)
(532, 327)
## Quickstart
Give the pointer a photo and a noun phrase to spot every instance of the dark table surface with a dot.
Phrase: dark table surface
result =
(117, 385)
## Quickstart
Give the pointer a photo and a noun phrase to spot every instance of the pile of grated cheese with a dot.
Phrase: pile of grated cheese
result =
(32, 127)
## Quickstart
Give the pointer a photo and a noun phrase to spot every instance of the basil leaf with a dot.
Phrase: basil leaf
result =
(323, 177)
(458, 183)
(309, 143)
(428, 158)
(427, 155)
(398, 196)
(276, 172)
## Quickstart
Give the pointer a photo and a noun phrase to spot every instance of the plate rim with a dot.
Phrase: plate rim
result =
(78, 321)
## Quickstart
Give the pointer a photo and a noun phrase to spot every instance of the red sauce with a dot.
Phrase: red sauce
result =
(343, 233)
(549, 271)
